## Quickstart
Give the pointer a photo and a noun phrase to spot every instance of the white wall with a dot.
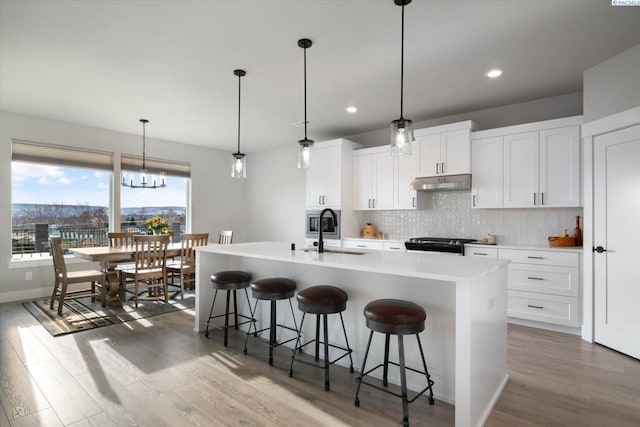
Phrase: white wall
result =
(613, 85)
(218, 202)
(276, 193)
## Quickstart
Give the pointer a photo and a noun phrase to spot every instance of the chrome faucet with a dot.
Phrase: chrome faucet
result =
(335, 222)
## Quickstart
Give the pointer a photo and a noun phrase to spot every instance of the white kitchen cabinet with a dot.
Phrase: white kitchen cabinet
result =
(363, 244)
(486, 173)
(405, 169)
(329, 175)
(543, 285)
(481, 251)
(444, 152)
(540, 165)
(373, 179)
(376, 178)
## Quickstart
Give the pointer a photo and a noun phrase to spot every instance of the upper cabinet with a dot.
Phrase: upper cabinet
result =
(444, 150)
(329, 175)
(527, 166)
(382, 182)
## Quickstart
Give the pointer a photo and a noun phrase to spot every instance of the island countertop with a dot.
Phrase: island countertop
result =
(426, 265)
(465, 299)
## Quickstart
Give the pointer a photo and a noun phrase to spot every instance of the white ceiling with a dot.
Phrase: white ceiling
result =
(109, 63)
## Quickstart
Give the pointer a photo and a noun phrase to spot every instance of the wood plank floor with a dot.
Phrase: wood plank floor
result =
(158, 372)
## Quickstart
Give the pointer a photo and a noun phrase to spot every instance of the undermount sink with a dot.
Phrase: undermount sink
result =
(335, 251)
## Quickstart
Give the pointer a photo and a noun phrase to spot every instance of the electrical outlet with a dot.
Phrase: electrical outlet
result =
(28, 275)
(492, 303)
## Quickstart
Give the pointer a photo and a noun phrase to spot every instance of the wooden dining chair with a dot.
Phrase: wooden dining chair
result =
(185, 267)
(64, 278)
(149, 267)
(225, 237)
(120, 239)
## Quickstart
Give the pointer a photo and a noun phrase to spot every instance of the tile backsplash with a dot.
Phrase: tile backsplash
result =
(449, 214)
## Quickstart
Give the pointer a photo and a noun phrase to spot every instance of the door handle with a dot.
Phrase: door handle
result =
(599, 249)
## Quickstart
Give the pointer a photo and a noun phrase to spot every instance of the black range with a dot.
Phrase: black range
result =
(437, 244)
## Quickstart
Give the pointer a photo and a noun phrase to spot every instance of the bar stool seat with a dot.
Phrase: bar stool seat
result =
(395, 317)
(321, 301)
(230, 281)
(273, 289)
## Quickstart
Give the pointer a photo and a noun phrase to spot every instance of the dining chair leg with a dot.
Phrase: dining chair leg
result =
(53, 294)
(63, 294)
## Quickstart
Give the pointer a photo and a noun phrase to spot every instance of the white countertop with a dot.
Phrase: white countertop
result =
(422, 265)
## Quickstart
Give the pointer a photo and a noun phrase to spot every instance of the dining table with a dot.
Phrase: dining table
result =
(106, 254)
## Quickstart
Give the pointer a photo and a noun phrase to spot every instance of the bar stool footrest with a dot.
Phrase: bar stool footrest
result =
(418, 394)
(347, 351)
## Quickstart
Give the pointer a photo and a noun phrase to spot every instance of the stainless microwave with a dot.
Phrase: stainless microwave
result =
(330, 229)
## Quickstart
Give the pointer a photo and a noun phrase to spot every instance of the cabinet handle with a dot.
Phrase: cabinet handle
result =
(442, 167)
(413, 202)
(473, 200)
(535, 278)
(437, 168)
(542, 198)
(320, 200)
(480, 253)
(369, 204)
(374, 203)
(361, 246)
(394, 247)
(535, 306)
(534, 199)
(535, 257)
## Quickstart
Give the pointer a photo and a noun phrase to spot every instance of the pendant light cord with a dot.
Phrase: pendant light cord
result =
(305, 93)
(239, 77)
(144, 143)
(402, 64)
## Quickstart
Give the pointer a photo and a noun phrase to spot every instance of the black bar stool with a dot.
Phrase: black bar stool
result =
(322, 300)
(397, 317)
(230, 281)
(272, 289)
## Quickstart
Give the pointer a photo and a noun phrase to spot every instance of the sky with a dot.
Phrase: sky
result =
(39, 183)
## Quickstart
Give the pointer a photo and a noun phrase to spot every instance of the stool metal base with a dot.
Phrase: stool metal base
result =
(403, 376)
(299, 348)
(226, 314)
(273, 343)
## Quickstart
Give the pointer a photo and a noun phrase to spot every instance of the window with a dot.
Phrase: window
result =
(170, 203)
(58, 191)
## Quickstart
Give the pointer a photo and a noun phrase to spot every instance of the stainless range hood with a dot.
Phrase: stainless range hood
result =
(443, 183)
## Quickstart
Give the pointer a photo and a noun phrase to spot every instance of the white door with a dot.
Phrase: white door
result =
(429, 155)
(455, 155)
(383, 181)
(486, 173)
(521, 170)
(616, 202)
(405, 171)
(560, 167)
(362, 181)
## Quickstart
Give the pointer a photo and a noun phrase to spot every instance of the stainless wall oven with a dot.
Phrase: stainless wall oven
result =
(330, 229)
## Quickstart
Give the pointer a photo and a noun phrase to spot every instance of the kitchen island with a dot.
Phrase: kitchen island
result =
(465, 339)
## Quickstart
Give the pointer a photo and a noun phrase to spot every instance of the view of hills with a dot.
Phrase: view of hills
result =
(21, 209)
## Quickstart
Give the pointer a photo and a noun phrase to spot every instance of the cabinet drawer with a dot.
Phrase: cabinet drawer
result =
(481, 252)
(556, 309)
(399, 246)
(567, 259)
(547, 279)
(362, 244)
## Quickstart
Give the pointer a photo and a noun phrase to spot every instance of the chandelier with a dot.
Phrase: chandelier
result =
(157, 181)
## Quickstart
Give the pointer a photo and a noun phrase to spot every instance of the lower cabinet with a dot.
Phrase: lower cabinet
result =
(378, 245)
(543, 285)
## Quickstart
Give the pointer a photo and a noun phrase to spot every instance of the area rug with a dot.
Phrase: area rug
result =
(82, 314)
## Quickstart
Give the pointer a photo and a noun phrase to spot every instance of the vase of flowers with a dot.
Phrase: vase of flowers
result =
(157, 225)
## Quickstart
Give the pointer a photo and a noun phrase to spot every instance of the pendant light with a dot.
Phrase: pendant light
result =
(239, 164)
(401, 129)
(305, 146)
(157, 181)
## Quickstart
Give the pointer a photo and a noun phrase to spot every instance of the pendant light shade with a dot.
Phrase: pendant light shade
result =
(239, 160)
(155, 181)
(305, 146)
(401, 129)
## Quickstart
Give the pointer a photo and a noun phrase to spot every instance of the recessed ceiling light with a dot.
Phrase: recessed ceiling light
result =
(351, 109)
(494, 73)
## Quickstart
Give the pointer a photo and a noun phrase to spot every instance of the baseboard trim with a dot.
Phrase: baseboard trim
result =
(24, 295)
(547, 326)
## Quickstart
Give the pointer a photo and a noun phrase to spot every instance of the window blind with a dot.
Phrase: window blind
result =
(131, 163)
(25, 151)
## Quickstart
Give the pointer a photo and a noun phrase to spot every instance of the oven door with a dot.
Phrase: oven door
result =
(330, 229)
